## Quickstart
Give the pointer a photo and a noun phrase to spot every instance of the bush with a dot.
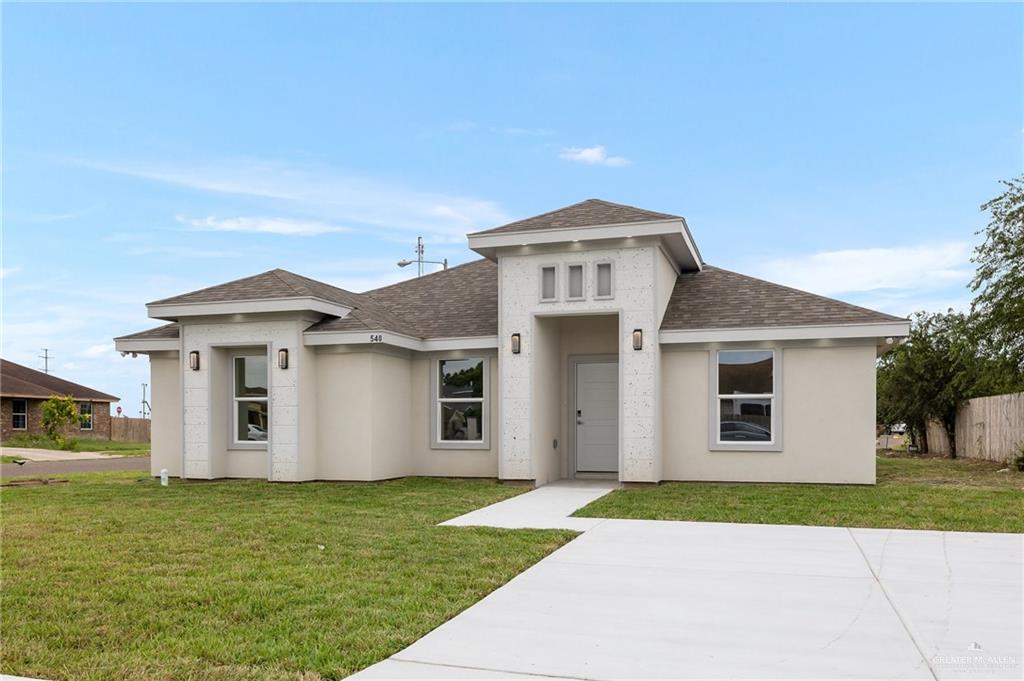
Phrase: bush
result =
(1019, 460)
(60, 412)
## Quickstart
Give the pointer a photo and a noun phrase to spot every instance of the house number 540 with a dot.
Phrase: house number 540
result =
(376, 338)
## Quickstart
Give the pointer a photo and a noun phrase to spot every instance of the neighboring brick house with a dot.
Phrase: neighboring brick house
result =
(23, 390)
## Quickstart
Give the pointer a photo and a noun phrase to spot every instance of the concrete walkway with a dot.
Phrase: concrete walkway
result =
(547, 507)
(30, 454)
(655, 599)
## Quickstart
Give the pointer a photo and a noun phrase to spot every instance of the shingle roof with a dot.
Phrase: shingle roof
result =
(165, 332)
(589, 213)
(269, 285)
(460, 301)
(718, 299)
(20, 381)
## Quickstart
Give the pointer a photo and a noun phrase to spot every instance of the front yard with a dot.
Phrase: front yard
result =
(81, 444)
(912, 493)
(112, 576)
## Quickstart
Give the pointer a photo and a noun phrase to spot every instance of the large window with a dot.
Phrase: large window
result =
(746, 396)
(85, 415)
(19, 414)
(461, 401)
(252, 420)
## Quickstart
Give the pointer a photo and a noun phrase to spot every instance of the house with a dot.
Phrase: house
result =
(23, 390)
(591, 341)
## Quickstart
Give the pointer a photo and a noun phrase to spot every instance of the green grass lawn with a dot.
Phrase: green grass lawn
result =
(914, 493)
(81, 445)
(112, 576)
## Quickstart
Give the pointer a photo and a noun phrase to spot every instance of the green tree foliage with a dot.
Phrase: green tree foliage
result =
(999, 281)
(934, 370)
(60, 412)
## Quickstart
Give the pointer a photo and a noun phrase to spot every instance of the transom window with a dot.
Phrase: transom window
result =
(251, 416)
(603, 280)
(548, 283)
(85, 415)
(575, 282)
(746, 396)
(460, 400)
(19, 414)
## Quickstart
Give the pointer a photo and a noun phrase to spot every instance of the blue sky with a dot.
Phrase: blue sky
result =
(153, 149)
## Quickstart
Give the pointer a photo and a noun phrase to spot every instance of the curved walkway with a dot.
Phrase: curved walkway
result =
(658, 599)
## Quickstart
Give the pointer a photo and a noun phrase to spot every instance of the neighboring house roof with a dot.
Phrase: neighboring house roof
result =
(718, 299)
(460, 301)
(20, 381)
(589, 213)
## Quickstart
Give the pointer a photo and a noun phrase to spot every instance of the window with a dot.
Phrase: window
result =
(575, 283)
(746, 396)
(461, 401)
(85, 415)
(603, 280)
(548, 287)
(252, 420)
(19, 414)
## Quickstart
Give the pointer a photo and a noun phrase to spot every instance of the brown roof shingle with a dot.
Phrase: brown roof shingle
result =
(20, 381)
(719, 299)
(460, 301)
(589, 213)
(165, 332)
(268, 285)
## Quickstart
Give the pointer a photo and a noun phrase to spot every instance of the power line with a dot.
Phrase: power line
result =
(46, 357)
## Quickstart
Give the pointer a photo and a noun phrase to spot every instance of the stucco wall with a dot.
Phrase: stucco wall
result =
(547, 408)
(344, 415)
(828, 419)
(634, 301)
(165, 386)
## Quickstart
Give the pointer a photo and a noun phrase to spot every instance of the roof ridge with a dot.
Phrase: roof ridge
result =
(277, 272)
(806, 293)
(540, 215)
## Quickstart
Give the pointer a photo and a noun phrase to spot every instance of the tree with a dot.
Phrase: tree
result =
(999, 281)
(936, 369)
(60, 412)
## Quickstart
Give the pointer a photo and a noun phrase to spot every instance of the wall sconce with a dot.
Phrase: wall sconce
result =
(193, 360)
(516, 344)
(282, 358)
(638, 339)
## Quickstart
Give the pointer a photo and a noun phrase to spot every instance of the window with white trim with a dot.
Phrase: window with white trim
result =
(19, 414)
(574, 282)
(746, 396)
(461, 401)
(251, 413)
(548, 283)
(603, 280)
(85, 415)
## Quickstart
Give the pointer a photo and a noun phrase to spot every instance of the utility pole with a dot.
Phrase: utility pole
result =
(419, 259)
(46, 357)
(145, 404)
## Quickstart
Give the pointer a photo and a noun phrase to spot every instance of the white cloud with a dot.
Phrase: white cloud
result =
(8, 271)
(596, 155)
(261, 225)
(97, 350)
(327, 195)
(912, 268)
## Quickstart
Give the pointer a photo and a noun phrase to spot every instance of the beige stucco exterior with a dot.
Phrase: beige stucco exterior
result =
(165, 429)
(828, 418)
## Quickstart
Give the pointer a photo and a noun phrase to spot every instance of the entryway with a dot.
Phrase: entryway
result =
(594, 414)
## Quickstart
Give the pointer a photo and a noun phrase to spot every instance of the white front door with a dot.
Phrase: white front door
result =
(597, 417)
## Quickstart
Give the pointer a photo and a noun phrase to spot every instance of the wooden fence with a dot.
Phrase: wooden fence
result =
(986, 428)
(125, 429)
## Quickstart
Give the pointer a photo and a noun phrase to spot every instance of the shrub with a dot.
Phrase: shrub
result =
(60, 412)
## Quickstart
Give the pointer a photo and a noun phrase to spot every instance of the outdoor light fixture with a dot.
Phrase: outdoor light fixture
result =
(638, 339)
(193, 360)
(282, 358)
(516, 344)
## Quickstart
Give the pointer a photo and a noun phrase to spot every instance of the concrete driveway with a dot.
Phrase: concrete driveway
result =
(652, 599)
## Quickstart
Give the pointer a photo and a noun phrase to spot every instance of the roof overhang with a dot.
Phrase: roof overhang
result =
(147, 344)
(880, 330)
(175, 311)
(674, 234)
(381, 337)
